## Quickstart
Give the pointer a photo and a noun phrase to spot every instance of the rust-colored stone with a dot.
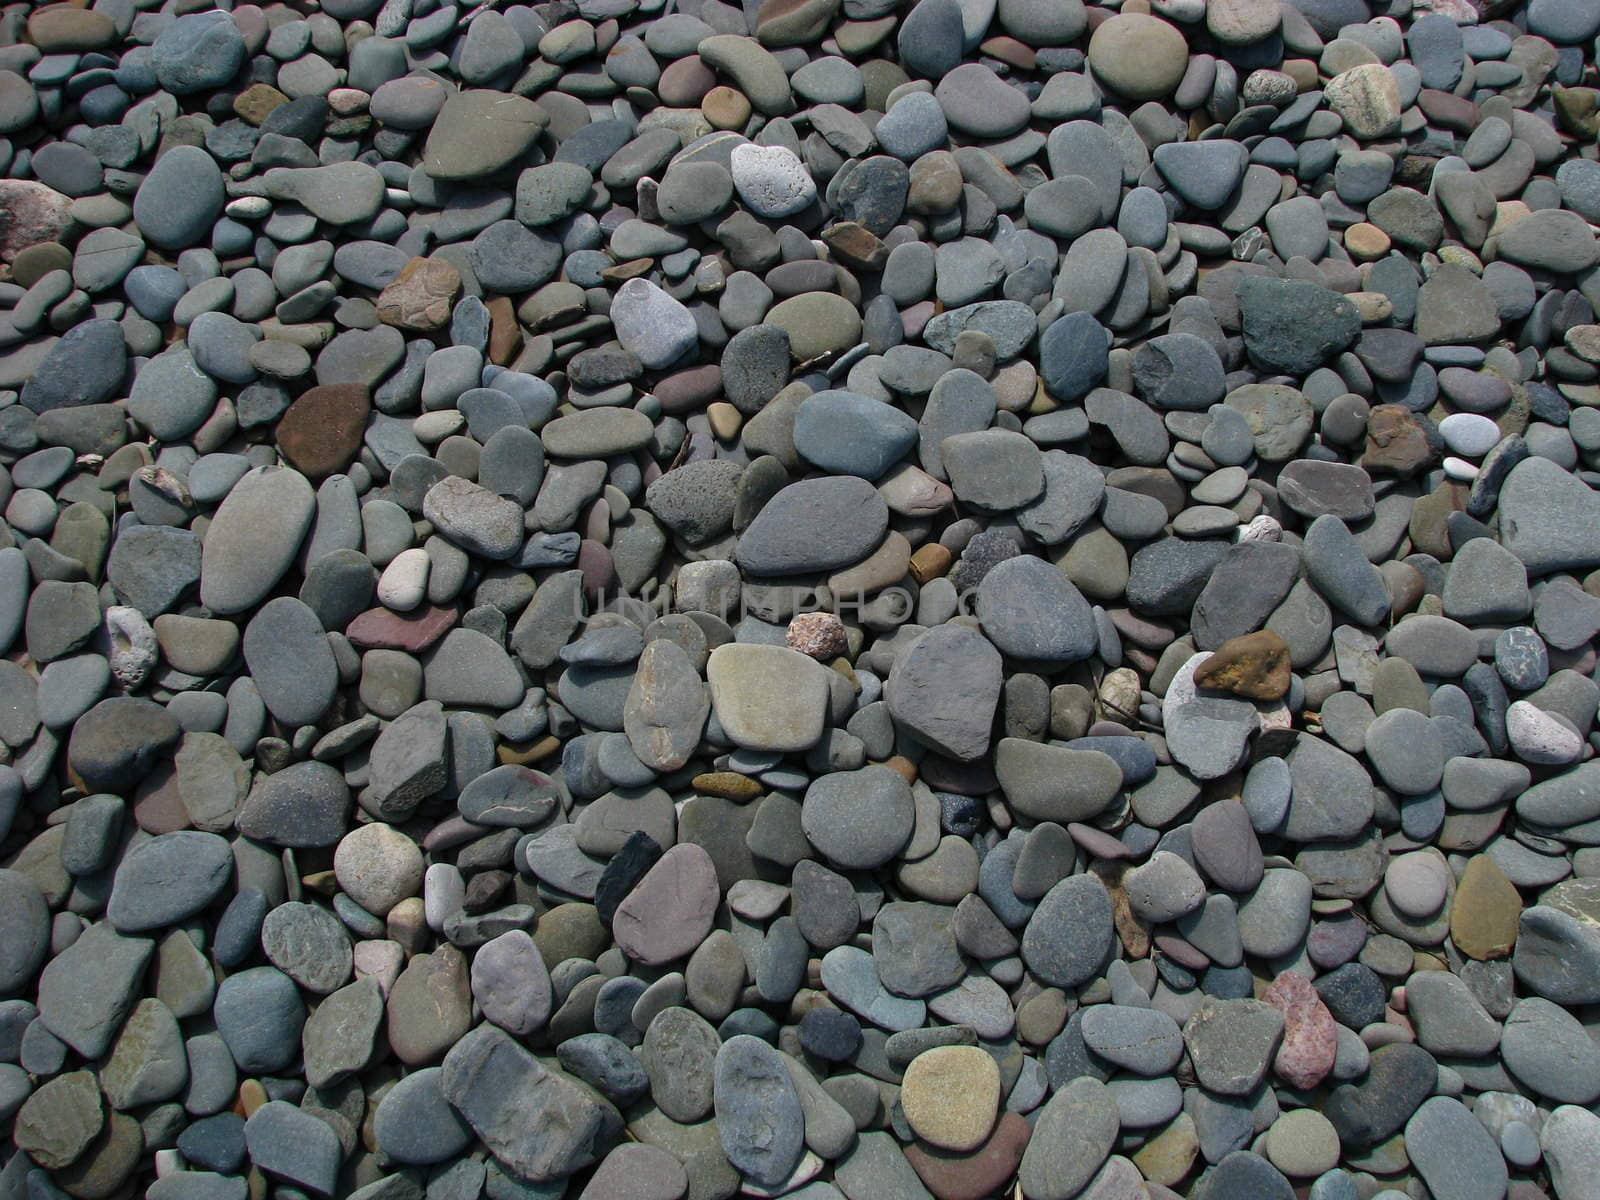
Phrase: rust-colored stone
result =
(902, 765)
(930, 561)
(1254, 665)
(505, 335)
(856, 245)
(420, 298)
(981, 1173)
(381, 629)
(321, 431)
(818, 634)
(1399, 442)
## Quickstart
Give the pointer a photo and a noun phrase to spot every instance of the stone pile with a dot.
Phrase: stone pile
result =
(829, 599)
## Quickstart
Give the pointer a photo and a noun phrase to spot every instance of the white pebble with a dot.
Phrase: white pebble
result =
(1469, 434)
(1261, 529)
(134, 650)
(1539, 737)
(1460, 469)
(772, 180)
(404, 581)
(249, 208)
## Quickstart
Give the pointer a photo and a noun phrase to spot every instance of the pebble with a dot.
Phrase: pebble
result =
(759, 1119)
(1070, 932)
(1453, 1152)
(1075, 1131)
(168, 878)
(772, 180)
(950, 1095)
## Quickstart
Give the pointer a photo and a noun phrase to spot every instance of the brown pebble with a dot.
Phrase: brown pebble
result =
(725, 420)
(251, 1097)
(321, 431)
(505, 335)
(856, 245)
(255, 104)
(1485, 911)
(729, 785)
(1255, 665)
(420, 298)
(725, 108)
(976, 1175)
(1366, 242)
(525, 754)
(67, 28)
(817, 634)
(631, 269)
(1010, 50)
(930, 561)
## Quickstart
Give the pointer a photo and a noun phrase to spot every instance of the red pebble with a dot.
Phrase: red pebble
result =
(1310, 1036)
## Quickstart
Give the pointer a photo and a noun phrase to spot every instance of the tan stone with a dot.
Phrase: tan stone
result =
(420, 298)
(1484, 916)
(950, 1095)
(255, 104)
(1367, 98)
(930, 562)
(1584, 341)
(1366, 241)
(67, 28)
(1398, 442)
(57, 1123)
(729, 785)
(1255, 665)
(1167, 1157)
(725, 108)
(724, 419)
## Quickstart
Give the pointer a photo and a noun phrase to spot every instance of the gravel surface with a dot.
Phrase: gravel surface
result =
(844, 600)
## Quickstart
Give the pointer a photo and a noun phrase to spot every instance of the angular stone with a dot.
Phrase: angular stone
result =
(541, 1124)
